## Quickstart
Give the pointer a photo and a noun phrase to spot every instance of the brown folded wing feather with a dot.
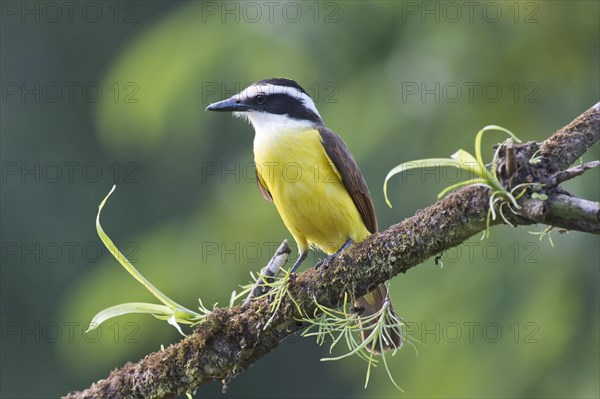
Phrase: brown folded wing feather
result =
(263, 190)
(351, 176)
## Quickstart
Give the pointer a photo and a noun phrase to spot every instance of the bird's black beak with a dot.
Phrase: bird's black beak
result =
(231, 104)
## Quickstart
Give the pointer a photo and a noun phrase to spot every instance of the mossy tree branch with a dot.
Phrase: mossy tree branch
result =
(232, 339)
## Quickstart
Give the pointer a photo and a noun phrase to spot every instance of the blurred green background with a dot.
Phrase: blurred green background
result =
(96, 93)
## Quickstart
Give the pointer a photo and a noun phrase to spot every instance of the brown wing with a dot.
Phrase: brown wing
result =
(263, 190)
(351, 176)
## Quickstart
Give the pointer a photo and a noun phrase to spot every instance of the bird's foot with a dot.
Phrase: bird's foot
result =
(324, 263)
(300, 259)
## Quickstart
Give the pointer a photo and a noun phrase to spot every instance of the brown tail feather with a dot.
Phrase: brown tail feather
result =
(370, 304)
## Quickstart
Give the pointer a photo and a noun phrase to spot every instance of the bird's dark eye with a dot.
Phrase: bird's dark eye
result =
(261, 98)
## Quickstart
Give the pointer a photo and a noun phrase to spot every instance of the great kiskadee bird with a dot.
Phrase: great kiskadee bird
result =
(307, 171)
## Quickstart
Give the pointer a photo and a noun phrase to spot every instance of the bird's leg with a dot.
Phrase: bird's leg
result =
(334, 255)
(300, 259)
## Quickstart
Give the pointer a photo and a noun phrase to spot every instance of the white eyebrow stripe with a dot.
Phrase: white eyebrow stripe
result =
(267, 89)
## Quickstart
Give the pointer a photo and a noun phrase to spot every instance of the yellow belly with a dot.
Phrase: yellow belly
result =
(307, 191)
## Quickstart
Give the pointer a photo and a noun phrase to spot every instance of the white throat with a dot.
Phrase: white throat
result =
(268, 126)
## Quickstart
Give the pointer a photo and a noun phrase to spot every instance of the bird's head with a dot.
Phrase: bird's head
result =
(270, 103)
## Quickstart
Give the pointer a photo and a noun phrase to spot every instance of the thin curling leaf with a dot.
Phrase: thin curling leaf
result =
(184, 316)
(173, 321)
(232, 298)
(164, 312)
(483, 176)
(479, 137)
(472, 165)
(112, 248)
(461, 159)
(129, 308)
(421, 163)
(468, 163)
(445, 191)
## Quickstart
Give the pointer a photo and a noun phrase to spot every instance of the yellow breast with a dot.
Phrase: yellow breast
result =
(307, 190)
